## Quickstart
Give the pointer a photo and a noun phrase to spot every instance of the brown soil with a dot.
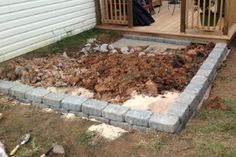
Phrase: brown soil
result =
(112, 77)
(215, 103)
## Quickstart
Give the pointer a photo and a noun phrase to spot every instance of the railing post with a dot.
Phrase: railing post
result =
(130, 13)
(226, 17)
(98, 12)
(183, 16)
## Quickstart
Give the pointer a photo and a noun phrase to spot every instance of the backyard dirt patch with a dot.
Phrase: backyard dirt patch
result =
(211, 132)
(113, 77)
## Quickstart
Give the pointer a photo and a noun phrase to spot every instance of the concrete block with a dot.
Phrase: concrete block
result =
(115, 112)
(19, 91)
(198, 86)
(36, 95)
(221, 46)
(141, 129)
(73, 103)
(122, 125)
(208, 73)
(164, 122)
(138, 117)
(80, 114)
(5, 86)
(100, 119)
(210, 64)
(180, 110)
(93, 107)
(53, 100)
(217, 54)
(188, 99)
(24, 100)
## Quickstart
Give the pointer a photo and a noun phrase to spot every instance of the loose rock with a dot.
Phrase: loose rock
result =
(151, 87)
(104, 47)
(141, 54)
(111, 47)
(124, 50)
(114, 51)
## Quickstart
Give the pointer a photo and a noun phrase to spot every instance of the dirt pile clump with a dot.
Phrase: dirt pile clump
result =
(215, 103)
(111, 76)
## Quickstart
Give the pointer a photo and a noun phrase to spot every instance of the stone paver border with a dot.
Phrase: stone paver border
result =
(130, 119)
(157, 39)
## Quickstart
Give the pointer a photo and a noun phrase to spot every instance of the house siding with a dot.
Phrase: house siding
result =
(26, 25)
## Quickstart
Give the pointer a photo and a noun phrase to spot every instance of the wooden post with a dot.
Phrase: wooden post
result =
(183, 16)
(130, 13)
(98, 12)
(226, 17)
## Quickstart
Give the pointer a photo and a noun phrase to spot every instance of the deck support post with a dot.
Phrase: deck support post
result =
(183, 16)
(98, 12)
(130, 13)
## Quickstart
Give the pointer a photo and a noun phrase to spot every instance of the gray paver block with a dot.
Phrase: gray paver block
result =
(19, 91)
(23, 100)
(5, 86)
(80, 114)
(138, 117)
(53, 100)
(198, 86)
(122, 125)
(100, 119)
(164, 122)
(217, 54)
(93, 107)
(141, 129)
(184, 106)
(115, 112)
(36, 95)
(221, 46)
(73, 103)
(209, 64)
(180, 110)
(209, 74)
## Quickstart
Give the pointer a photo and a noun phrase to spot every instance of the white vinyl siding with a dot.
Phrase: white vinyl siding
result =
(26, 25)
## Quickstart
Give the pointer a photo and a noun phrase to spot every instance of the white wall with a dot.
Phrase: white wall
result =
(26, 25)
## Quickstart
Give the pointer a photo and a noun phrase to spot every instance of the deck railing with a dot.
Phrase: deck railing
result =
(117, 12)
(207, 15)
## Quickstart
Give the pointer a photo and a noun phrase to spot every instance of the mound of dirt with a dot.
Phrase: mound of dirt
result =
(111, 76)
(215, 103)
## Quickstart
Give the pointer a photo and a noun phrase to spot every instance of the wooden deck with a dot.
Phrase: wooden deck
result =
(168, 25)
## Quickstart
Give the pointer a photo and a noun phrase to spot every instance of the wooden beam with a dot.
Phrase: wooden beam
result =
(183, 16)
(98, 12)
(130, 13)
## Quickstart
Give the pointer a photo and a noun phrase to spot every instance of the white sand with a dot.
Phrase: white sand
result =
(107, 131)
(158, 104)
(75, 91)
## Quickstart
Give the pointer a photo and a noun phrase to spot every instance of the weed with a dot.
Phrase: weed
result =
(86, 137)
(5, 69)
(4, 107)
